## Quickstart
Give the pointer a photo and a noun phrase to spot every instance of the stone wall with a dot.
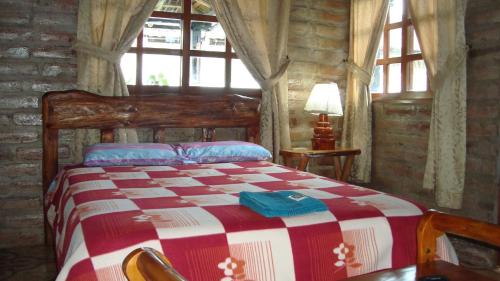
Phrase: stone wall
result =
(35, 56)
(401, 131)
(318, 44)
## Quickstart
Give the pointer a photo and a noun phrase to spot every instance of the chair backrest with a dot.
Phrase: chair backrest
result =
(147, 264)
(435, 224)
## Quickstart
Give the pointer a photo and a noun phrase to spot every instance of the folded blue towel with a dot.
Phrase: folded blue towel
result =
(281, 203)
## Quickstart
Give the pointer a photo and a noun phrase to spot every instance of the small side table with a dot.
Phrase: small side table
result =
(341, 172)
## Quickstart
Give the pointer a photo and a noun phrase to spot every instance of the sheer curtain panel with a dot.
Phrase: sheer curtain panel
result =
(106, 30)
(366, 24)
(439, 25)
(258, 32)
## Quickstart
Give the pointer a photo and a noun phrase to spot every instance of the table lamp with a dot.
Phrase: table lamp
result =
(324, 100)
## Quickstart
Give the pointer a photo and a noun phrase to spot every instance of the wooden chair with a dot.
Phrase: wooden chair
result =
(433, 225)
(147, 264)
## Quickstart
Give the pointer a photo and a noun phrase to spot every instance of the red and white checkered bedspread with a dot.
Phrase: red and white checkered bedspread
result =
(191, 214)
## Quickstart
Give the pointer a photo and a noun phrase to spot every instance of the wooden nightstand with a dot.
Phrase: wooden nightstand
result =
(341, 172)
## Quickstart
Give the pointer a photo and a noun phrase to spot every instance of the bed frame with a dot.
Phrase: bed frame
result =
(75, 109)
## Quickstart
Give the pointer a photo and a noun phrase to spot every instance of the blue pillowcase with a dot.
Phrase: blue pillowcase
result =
(222, 151)
(151, 154)
(141, 154)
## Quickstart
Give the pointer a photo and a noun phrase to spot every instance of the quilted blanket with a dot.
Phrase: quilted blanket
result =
(191, 214)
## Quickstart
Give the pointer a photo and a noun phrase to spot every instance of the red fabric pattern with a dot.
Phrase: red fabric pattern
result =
(191, 213)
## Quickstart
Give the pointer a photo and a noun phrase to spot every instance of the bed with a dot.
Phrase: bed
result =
(190, 211)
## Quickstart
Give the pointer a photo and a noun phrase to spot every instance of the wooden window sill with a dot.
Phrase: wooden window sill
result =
(408, 97)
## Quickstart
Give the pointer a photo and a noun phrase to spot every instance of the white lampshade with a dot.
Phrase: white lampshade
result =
(324, 98)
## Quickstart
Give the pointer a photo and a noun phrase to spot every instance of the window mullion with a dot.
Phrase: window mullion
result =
(386, 56)
(186, 43)
(139, 54)
(227, 59)
(404, 49)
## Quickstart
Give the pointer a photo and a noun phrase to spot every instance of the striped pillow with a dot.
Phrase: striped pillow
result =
(222, 151)
(141, 154)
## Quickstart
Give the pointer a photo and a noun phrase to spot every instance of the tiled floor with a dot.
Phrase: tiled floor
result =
(37, 264)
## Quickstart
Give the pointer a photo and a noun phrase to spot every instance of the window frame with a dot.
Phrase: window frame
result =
(405, 59)
(185, 52)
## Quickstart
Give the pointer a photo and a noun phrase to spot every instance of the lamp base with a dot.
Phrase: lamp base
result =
(323, 138)
(323, 144)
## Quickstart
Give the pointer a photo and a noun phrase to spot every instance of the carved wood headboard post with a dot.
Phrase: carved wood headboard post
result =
(50, 143)
(75, 109)
(50, 163)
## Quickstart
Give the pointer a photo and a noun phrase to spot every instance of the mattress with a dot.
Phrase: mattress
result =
(191, 214)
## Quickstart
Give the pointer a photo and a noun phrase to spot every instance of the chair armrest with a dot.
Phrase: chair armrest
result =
(148, 264)
(434, 224)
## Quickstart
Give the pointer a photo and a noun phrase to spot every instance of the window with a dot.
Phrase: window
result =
(184, 49)
(399, 64)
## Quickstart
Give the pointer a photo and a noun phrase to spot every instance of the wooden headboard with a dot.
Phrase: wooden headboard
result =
(76, 109)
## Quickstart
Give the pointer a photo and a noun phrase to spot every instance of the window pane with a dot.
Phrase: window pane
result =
(394, 78)
(413, 45)
(207, 36)
(380, 50)
(395, 11)
(417, 75)
(128, 65)
(173, 6)
(161, 70)
(395, 42)
(207, 72)
(377, 83)
(202, 7)
(240, 77)
(162, 33)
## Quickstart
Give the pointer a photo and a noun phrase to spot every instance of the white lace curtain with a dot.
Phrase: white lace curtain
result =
(439, 25)
(366, 24)
(106, 30)
(258, 32)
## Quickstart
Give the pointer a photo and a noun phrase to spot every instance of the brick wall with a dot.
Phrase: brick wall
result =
(401, 130)
(317, 45)
(35, 57)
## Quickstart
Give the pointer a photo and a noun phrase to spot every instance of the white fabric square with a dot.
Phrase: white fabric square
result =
(98, 207)
(267, 253)
(372, 241)
(201, 173)
(314, 183)
(236, 188)
(220, 166)
(85, 170)
(182, 222)
(390, 206)
(212, 199)
(178, 182)
(128, 175)
(253, 178)
(308, 219)
(316, 193)
(151, 192)
(77, 251)
(270, 169)
(76, 245)
(154, 168)
(92, 185)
